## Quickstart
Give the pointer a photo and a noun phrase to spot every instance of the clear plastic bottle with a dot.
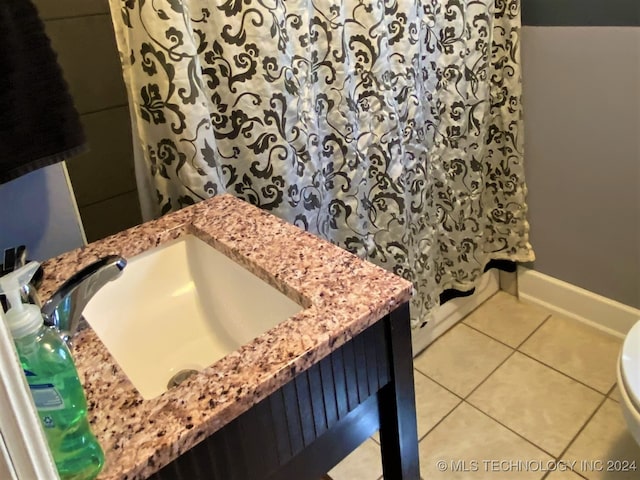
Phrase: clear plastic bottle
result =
(54, 384)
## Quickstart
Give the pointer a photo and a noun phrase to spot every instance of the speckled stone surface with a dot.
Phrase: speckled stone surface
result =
(342, 295)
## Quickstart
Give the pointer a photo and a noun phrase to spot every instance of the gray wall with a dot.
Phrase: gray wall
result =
(103, 179)
(582, 154)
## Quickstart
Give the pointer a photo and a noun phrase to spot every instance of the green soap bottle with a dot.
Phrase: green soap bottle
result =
(53, 380)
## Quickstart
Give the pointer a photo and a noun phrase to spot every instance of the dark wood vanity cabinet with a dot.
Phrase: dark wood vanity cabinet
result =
(310, 424)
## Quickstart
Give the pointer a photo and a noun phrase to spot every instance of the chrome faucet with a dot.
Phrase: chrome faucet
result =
(64, 309)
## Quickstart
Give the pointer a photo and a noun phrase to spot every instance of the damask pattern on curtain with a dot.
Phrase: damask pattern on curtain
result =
(392, 128)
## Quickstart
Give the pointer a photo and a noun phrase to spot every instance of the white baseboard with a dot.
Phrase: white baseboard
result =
(447, 315)
(575, 302)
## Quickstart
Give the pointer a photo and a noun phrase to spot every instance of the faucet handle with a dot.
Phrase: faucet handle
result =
(64, 309)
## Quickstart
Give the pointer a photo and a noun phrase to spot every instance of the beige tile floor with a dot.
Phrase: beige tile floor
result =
(508, 392)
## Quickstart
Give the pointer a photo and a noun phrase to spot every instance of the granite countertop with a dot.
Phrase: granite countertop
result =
(342, 295)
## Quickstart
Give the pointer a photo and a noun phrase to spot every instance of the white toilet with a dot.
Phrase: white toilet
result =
(629, 380)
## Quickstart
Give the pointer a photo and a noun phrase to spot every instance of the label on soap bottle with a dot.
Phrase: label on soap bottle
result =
(46, 397)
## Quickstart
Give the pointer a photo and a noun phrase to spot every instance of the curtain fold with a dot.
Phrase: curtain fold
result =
(392, 128)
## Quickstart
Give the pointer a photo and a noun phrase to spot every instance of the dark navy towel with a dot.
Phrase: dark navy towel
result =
(39, 124)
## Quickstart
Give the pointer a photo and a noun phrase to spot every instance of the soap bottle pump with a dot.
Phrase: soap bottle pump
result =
(53, 381)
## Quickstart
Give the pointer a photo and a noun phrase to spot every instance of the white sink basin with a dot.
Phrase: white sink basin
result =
(181, 306)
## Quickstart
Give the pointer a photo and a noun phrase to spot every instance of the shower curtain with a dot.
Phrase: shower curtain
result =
(392, 128)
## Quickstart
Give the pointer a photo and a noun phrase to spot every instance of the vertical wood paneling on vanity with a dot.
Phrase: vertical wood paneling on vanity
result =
(307, 419)
(351, 377)
(339, 382)
(275, 414)
(327, 384)
(293, 424)
(279, 429)
(318, 406)
(362, 374)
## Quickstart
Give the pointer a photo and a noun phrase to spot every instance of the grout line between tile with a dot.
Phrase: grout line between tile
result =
(489, 336)
(511, 430)
(491, 373)
(562, 373)
(462, 320)
(593, 414)
(514, 350)
(448, 413)
(534, 331)
(440, 421)
(612, 390)
(506, 344)
(604, 398)
(578, 474)
(485, 379)
(436, 382)
(507, 427)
